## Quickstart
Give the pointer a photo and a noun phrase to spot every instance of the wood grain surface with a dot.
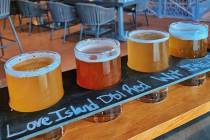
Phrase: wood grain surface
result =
(146, 121)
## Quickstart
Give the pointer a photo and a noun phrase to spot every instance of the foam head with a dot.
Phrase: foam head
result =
(189, 30)
(148, 36)
(97, 50)
(32, 67)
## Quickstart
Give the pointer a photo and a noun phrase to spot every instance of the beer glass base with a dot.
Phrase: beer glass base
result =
(154, 97)
(52, 135)
(106, 115)
(195, 81)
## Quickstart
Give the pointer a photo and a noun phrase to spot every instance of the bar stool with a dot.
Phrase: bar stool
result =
(4, 15)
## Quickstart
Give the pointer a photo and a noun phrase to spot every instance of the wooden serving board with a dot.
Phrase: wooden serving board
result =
(79, 103)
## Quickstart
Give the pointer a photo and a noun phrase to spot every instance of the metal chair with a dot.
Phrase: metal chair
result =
(95, 16)
(61, 13)
(5, 14)
(14, 11)
(30, 10)
(140, 7)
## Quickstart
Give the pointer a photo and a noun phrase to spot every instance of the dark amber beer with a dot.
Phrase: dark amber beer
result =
(98, 65)
(148, 52)
(34, 81)
(189, 40)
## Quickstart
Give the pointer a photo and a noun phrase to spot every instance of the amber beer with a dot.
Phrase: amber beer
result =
(98, 65)
(189, 40)
(34, 81)
(148, 52)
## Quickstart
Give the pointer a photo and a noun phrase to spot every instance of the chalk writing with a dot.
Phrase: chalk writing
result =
(10, 134)
(167, 76)
(59, 115)
(111, 96)
(38, 123)
(65, 113)
(125, 90)
(138, 88)
(43, 121)
(192, 67)
(85, 108)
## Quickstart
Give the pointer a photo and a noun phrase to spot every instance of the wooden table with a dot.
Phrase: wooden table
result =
(142, 121)
(119, 4)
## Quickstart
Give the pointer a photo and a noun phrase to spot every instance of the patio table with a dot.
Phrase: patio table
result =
(119, 4)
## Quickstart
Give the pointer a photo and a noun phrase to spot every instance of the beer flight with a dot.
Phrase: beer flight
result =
(35, 79)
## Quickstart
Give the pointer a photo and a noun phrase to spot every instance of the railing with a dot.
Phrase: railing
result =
(188, 9)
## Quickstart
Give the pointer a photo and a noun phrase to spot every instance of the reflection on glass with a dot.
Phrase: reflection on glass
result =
(189, 40)
(34, 81)
(98, 65)
(148, 52)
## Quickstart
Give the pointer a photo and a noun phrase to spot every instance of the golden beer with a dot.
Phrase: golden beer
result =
(189, 40)
(34, 81)
(148, 52)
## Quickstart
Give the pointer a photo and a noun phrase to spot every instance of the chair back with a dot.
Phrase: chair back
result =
(91, 14)
(29, 9)
(4, 8)
(142, 5)
(14, 8)
(61, 12)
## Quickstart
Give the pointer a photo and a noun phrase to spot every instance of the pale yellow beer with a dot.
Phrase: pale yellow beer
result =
(34, 81)
(188, 39)
(148, 50)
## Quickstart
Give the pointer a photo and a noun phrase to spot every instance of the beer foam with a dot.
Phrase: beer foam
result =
(165, 36)
(82, 53)
(189, 30)
(32, 55)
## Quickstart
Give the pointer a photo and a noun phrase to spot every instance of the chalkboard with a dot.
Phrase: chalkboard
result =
(79, 103)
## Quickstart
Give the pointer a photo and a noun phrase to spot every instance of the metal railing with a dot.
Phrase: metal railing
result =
(188, 9)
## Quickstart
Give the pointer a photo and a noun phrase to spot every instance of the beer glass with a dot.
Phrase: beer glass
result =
(98, 65)
(34, 80)
(148, 52)
(189, 40)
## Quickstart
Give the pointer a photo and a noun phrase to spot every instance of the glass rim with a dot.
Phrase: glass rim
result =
(88, 42)
(8, 66)
(172, 25)
(165, 36)
(189, 30)
(97, 39)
